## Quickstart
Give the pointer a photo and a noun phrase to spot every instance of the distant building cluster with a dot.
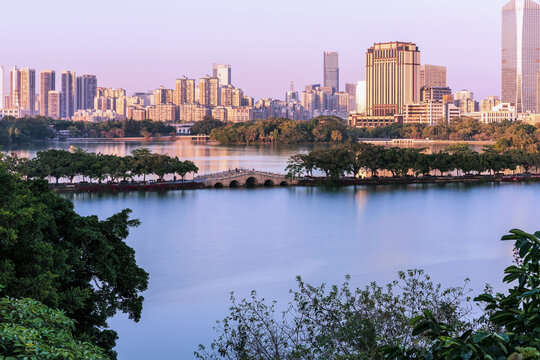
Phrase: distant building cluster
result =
(398, 89)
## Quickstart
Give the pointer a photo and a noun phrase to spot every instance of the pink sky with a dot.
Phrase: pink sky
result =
(140, 45)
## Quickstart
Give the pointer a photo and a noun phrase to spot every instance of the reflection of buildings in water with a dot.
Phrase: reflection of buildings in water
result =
(360, 198)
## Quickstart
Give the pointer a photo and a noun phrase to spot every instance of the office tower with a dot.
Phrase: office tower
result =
(209, 91)
(391, 77)
(47, 83)
(1, 87)
(67, 101)
(14, 88)
(86, 92)
(185, 91)
(54, 104)
(520, 55)
(223, 73)
(351, 90)
(432, 75)
(28, 90)
(331, 70)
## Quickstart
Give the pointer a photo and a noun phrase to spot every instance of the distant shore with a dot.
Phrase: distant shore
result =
(426, 141)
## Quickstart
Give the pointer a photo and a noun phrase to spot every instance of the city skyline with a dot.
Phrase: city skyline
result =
(258, 69)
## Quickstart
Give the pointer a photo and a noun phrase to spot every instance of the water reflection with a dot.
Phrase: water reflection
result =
(200, 245)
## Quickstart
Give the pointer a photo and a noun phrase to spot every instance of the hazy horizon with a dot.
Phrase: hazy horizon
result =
(138, 46)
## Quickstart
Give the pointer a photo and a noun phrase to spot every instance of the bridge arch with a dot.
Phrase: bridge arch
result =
(251, 181)
(269, 183)
(284, 183)
(218, 185)
(234, 184)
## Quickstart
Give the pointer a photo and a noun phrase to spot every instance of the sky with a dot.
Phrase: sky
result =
(139, 45)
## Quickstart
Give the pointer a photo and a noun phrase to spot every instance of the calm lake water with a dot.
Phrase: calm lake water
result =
(198, 246)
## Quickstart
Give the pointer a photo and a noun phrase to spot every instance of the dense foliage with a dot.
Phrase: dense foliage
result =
(14, 132)
(350, 159)
(31, 330)
(283, 131)
(26, 130)
(411, 318)
(60, 164)
(78, 264)
(513, 135)
(206, 126)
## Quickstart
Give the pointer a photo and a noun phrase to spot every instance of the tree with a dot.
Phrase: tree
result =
(81, 265)
(206, 126)
(339, 322)
(515, 314)
(31, 330)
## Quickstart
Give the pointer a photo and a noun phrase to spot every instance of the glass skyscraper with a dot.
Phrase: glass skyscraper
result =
(521, 55)
(331, 70)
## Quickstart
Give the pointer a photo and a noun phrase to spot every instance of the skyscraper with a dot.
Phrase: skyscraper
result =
(1, 87)
(432, 76)
(185, 91)
(28, 90)
(223, 73)
(86, 92)
(47, 83)
(331, 70)
(209, 91)
(521, 55)
(54, 104)
(67, 100)
(391, 77)
(14, 88)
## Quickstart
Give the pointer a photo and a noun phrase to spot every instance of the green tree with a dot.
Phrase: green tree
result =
(81, 265)
(31, 330)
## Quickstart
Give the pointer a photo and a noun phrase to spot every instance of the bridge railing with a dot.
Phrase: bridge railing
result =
(236, 172)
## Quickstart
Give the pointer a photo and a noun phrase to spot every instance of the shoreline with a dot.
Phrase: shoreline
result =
(313, 182)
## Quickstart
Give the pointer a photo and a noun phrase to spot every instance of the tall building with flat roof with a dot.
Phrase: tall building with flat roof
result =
(209, 91)
(432, 76)
(47, 79)
(521, 55)
(391, 77)
(185, 91)
(54, 103)
(86, 92)
(14, 88)
(67, 100)
(331, 70)
(223, 73)
(1, 87)
(28, 90)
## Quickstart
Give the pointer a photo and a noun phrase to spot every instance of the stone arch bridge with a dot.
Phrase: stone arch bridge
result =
(244, 178)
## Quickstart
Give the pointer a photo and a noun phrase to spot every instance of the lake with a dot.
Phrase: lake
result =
(198, 246)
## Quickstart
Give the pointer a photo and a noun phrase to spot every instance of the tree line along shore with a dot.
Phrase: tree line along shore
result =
(24, 131)
(350, 163)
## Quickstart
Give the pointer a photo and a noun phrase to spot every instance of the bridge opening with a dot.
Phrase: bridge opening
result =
(283, 183)
(218, 185)
(234, 184)
(251, 182)
(269, 183)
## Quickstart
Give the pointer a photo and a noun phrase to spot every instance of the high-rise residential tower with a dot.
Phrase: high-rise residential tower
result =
(1, 87)
(432, 76)
(223, 73)
(331, 70)
(209, 91)
(86, 91)
(28, 90)
(47, 83)
(185, 91)
(521, 55)
(67, 100)
(391, 77)
(14, 88)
